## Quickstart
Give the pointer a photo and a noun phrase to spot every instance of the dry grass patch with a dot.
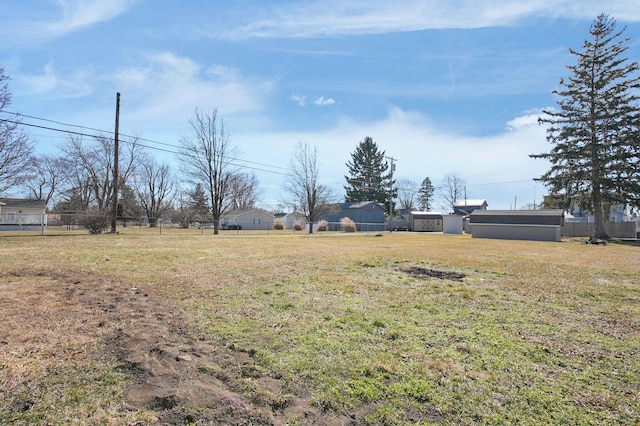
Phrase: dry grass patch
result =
(51, 366)
(402, 329)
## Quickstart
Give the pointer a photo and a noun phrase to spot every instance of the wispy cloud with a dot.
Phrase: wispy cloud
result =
(51, 84)
(422, 149)
(336, 17)
(169, 86)
(299, 99)
(69, 16)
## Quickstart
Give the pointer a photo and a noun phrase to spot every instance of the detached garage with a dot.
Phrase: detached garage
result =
(425, 222)
(537, 225)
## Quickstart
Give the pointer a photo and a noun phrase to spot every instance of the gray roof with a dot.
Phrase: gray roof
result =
(23, 202)
(532, 217)
(543, 212)
(240, 212)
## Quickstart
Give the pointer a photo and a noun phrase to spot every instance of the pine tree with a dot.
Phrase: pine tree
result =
(426, 192)
(595, 159)
(370, 177)
(198, 203)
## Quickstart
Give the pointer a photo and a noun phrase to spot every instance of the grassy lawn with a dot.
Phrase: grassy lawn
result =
(400, 329)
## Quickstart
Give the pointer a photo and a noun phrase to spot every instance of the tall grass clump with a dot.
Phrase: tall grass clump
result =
(323, 225)
(297, 226)
(278, 225)
(348, 225)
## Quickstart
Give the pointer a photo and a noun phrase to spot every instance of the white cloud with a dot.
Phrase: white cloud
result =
(337, 17)
(299, 99)
(322, 101)
(51, 84)
(529, 119)
(497, 168)
(169, 84)
(84, 13)
(70, 15)
(158, 95)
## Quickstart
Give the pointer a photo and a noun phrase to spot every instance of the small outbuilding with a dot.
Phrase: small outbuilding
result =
(537, 225)
(425, 222)
(453, 224)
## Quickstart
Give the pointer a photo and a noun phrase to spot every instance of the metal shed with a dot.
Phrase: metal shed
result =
(538, 225)
(425, 222)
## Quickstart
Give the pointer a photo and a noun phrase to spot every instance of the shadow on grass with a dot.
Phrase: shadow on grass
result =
(626, 241)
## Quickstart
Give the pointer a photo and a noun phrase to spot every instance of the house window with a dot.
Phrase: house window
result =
(11, 217)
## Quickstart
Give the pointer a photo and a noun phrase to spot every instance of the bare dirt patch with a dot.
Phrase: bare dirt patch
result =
(175, 374)
(426, 273)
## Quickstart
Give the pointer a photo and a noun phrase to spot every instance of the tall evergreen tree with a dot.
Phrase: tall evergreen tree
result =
(370, 177)
(595, 159)
(198, 203)
(425, 197)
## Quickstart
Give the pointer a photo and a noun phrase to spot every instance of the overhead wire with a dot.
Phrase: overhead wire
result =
(177, 150)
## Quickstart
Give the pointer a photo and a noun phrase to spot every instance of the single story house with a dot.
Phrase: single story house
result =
(466, 207)
(247, 219)
(538, 225)
(368, 215)
(18, 213)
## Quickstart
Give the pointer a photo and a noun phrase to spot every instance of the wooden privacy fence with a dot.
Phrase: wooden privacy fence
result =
(585, 229)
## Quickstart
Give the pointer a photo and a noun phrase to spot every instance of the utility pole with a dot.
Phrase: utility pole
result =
(392, 169)
(116, 160)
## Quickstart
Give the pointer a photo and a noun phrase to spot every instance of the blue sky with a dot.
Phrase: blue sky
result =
(443, 87)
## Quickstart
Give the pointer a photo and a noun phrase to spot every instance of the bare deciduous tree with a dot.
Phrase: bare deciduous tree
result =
(93, 161)
(307, 195)
(407, 194)
(16, 148)
(207, 157)
(452, 189)
(244, 191)
(49, 176)
(155, 188)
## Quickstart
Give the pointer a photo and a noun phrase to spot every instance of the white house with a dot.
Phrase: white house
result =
(18, 213)
(247, 219)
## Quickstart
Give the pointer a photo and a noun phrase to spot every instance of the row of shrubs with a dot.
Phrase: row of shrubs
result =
(348, 225)
(98, 223)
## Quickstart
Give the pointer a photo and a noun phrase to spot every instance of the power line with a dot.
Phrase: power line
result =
(176, 149)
